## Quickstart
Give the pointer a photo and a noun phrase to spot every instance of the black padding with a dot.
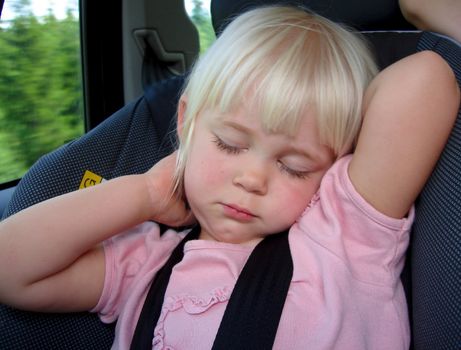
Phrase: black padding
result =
(130, 141)
(391, 46)
(162, 101)
(436, 239)
(362, 15)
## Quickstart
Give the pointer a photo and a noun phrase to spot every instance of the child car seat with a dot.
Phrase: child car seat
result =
(433, 276)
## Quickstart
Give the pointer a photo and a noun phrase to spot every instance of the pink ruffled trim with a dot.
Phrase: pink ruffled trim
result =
(193, 305)
(315, 198)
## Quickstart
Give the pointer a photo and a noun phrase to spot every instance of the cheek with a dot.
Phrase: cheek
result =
(203, 170)
(293, 200)
(297, 201)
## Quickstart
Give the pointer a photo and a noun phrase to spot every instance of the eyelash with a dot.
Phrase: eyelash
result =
(225, 147)
(293, 173)
(236, 150)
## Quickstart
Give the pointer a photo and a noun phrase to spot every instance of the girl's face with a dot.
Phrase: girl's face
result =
(243, 183)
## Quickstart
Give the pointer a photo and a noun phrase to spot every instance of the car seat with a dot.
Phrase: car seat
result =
(138, 135)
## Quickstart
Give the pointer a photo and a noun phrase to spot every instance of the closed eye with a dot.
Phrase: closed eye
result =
(226, 147)
(298, 174)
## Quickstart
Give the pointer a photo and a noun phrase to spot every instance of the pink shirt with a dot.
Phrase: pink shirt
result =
(345, 292)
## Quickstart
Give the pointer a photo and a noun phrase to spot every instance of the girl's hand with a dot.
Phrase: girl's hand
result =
(166, 207)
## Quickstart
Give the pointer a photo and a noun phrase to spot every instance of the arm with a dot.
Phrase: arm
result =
(51, 253)
(442, 16)
(409, 111)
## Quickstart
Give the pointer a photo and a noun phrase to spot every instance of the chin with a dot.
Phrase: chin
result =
(227, 234)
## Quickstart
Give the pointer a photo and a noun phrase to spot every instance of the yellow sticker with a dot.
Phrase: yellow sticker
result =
(90, 179)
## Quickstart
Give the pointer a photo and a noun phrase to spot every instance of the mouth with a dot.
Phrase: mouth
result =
(238, 213)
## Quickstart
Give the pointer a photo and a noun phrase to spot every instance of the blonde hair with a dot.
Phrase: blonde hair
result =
(285, 59)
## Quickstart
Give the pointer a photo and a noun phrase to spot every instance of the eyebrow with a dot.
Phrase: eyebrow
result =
(237, 126)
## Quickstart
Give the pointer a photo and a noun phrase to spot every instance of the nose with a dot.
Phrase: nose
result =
(252, 179)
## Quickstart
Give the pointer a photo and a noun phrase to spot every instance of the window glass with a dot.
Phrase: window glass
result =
(41, 94)
(199, 12)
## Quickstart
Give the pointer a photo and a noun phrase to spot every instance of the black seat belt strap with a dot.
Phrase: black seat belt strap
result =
(253, 312)
(254, 309)
(143, 334)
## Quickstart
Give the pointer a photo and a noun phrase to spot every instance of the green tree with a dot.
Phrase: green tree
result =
(202, 21)
(40, 86)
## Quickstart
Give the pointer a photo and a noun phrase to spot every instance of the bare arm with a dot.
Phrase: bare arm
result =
(49, 254)
(409, 109)
(442, 16)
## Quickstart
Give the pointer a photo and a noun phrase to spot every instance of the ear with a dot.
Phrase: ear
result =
(182, 105)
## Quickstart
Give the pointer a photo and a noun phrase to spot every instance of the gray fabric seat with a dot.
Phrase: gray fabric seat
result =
(435, 249)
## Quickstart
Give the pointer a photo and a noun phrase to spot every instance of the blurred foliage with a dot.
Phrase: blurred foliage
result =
(202, 21)
(41, 102)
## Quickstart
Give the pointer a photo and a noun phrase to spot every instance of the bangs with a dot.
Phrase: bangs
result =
(269, 82)
(261, 71)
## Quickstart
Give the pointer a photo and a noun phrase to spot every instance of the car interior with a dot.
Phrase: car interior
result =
(149, 47)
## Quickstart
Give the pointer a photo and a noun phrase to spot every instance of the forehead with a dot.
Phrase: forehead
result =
(260, 116)
(273, 115)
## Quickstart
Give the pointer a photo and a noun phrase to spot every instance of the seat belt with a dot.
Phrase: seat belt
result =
(255, 306)
(253, 312)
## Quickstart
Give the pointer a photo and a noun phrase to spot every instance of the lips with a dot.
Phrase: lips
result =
(235, 212)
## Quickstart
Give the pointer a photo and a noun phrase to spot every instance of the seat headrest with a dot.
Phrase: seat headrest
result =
(362, 15)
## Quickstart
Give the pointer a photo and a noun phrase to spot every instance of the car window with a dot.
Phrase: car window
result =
(199, 12)
(41, 91)
(41, 96)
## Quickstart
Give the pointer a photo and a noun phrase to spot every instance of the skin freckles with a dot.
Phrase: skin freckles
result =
(243, 183)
